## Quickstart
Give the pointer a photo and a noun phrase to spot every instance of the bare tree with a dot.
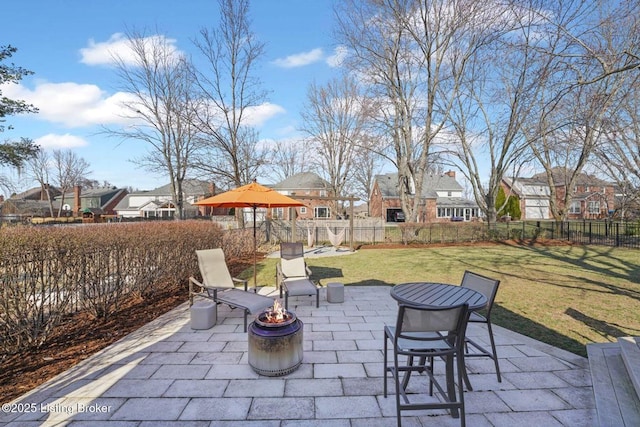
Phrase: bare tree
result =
(39, 168)
(412, 56)
(289, 157)
(618, 157)
(162, 108)
(368, 165)
(591, 76)
(496, 96)
(230, 92)
(67, 171)
(334, 120)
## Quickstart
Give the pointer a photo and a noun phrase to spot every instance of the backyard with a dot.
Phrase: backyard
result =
(563, 295)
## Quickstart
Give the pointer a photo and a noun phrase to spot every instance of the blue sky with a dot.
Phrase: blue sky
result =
(64, 43)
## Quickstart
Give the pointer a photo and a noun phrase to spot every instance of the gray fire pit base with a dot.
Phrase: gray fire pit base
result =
(275, 352)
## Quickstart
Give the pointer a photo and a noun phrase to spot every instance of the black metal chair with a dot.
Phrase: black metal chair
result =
(425, 333)
(489, 288)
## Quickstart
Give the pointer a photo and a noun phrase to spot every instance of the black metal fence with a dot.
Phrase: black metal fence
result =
(606, 233)
(609, 233)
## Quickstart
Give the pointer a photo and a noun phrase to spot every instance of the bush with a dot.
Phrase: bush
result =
(48, 272)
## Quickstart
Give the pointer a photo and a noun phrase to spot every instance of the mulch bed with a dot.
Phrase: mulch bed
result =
(80, 335)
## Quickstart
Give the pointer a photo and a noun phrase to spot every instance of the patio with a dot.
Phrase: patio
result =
(168, 374)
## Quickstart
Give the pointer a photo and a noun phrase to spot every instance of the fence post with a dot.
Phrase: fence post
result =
(617, 234)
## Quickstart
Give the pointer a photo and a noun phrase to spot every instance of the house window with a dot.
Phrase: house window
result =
(594, 207)
(277, 213)
(303, 210)
(449, 193)
(444, 212)
(321, 212)
(574, 208)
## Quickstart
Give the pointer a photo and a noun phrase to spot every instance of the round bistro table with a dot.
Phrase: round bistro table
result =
(437, 295)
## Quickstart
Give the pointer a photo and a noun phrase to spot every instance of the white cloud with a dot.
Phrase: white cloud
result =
(53, 141)
(72, 104)
(257, 116)
(300, 59)
(339, 53)
(118, 46)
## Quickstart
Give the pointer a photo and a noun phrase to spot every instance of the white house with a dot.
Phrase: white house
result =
(534, 195)
(159, 203)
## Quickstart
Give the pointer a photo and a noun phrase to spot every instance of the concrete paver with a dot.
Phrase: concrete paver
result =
(167, 374)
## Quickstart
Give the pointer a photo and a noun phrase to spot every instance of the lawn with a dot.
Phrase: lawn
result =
(567, 296)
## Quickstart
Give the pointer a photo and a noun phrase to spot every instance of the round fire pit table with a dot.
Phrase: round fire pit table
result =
(275, 349)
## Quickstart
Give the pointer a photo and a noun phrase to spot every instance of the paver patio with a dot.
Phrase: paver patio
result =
(166, 374)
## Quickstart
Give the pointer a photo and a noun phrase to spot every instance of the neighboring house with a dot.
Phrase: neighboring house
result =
(310, 189)
(31, 203)
(442, 196)
(159, 203)
(592, 197)
(34, 203)
(97, 201)
(533, 194)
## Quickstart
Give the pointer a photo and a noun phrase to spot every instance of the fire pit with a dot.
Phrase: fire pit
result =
(275, 342)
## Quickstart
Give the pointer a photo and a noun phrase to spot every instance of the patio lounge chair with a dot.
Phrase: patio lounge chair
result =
(218, 285)
(293, 276)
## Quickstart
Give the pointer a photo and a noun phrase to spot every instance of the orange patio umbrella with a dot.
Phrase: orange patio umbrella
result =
(252, 196)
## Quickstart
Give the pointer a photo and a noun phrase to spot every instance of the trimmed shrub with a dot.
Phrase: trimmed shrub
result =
(48, 272)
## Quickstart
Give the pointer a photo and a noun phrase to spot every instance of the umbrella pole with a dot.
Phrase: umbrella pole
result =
(255, 284)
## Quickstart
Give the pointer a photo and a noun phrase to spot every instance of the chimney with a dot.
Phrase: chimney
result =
(452, 174)
(212, 189)
(76, 200)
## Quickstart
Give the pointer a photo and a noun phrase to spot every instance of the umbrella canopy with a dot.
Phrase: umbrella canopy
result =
(253, 196)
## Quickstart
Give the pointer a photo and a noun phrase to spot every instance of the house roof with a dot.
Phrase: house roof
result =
(388, 185)
(87, 193)
(455, 202)
(561, 176)
(531, 188)
(35, 193)
(190, 187)
(302, 181)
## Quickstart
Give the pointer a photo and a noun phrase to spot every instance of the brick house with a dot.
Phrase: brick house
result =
(441, 194)
(31, 203)
(310, 189)
(592, 197)
(34, 202)
(99, 201)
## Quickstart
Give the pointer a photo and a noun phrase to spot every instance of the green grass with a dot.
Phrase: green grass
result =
(566, 296)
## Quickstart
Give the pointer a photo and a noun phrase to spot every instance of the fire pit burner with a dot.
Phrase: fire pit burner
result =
(275, 342)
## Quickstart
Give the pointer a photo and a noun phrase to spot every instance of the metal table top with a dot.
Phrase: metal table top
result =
(437, 295)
